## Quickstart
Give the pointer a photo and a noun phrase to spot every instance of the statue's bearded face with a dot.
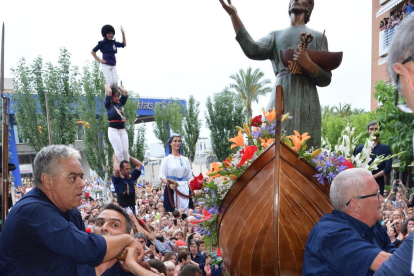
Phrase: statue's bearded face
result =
(298, 6)
(301, 6)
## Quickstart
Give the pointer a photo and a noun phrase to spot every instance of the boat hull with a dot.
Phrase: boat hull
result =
(264, 220)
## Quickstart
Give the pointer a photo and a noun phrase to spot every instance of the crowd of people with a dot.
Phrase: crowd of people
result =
(390, 23)
(164, 235)
(73, 231)
(169, 239)
(397, 210)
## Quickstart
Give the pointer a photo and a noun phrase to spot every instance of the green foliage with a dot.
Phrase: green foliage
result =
(336, 118)
(396, 126)
(192, 125)
(332, 126)
(224, 113)
(98, 150)
(249, 86)
(130, 112)
(31, 124)
(138, 150)
(168, 118)
(61, 85)
(63, 91)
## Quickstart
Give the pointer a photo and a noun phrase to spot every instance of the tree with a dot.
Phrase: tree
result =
(224, 113)
(61, 85)
(31, 124)
(192, 125)
(396, 126)
(63, 90)
(332, 126)
(249, 86)
(336, 118)
(98, 150)
(130, 109)
(140, 144)
(168, 117)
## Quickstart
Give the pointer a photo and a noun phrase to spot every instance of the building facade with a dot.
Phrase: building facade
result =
(383, 11)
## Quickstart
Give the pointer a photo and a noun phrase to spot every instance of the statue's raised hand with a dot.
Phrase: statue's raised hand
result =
(229, 8)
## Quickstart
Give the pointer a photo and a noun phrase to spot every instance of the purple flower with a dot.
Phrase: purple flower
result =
(256, 134)
(328, 166)
(213, 210)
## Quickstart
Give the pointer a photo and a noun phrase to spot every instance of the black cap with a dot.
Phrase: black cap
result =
(107, 29)
(11, 166)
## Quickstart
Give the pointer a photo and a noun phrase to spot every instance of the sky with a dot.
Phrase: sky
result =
(182, 48)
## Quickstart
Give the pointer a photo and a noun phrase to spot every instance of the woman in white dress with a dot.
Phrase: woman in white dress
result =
(177, 168)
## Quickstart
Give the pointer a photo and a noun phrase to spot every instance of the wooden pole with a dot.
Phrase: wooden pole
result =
(5, 137)
(279, 106)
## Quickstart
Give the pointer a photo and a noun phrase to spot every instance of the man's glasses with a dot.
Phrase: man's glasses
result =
(362, 197)
(402, 107)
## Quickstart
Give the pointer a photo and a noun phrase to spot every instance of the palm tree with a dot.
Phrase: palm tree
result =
(250, 85)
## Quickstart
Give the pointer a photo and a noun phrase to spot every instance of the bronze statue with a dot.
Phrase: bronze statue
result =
(301, 96)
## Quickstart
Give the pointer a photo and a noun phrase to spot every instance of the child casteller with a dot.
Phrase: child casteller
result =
(108, 47)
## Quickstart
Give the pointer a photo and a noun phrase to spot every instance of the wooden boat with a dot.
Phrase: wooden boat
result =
(264, 220)
(326, 60)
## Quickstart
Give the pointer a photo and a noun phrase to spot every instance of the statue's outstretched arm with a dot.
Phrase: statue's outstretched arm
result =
(231, 10)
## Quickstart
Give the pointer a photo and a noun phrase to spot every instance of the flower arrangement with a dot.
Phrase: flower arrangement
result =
(255, 137)
(332, 160)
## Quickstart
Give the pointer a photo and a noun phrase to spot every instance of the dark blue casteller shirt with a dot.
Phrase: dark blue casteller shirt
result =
(114, 270)
(201, 260)
(399, 263)
(108, 49)
(115, 112)
(386, 166)
(39, 239)
(124, 199)
(120, 183)
(342, 245)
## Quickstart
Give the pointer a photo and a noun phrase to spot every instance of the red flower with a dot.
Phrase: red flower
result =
(227, 163)
(348, 164)
(206, 216)
(256, 121)
(218, 252)
(196, 183)
(247, 154)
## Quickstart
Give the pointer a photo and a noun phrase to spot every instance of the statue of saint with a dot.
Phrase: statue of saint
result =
(301, 96)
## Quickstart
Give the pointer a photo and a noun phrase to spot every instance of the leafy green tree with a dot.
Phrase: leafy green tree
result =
(63, 90)
(168, 118)
(31, 124)
(98, 150)
(138, 150)
(192, 125)
(224, 113)
(249, 86)
(336, 118)
(61, 85)
(396, 126)
(332, 126)
(130, 110)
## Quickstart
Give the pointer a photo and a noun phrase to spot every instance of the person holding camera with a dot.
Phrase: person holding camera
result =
(396, 185)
